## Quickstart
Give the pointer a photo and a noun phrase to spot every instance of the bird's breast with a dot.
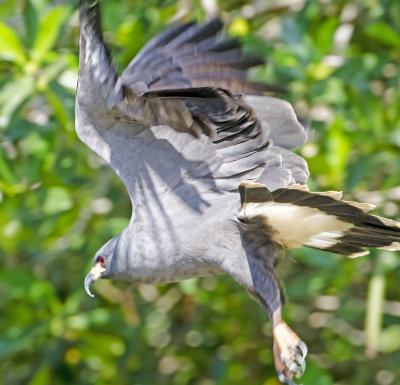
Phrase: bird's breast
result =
(166, 250)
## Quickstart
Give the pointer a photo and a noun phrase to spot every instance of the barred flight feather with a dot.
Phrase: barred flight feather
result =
(294, 217)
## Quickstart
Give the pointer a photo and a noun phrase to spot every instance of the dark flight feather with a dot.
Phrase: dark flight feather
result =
(351, 229)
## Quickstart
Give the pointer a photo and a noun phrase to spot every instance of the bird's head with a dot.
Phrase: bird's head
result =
(101, 264)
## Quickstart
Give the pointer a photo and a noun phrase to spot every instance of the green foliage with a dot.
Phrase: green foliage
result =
(340, 63)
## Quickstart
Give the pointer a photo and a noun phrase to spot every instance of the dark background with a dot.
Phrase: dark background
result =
(340, 62)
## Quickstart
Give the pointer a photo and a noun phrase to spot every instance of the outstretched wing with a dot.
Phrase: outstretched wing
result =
(193, 55)
(162, 130)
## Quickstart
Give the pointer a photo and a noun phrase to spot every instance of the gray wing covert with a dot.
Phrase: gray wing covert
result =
(159, 127)
(284, 167)
(193, 55)
(168, 75)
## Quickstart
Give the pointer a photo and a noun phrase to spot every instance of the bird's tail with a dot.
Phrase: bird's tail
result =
(293, 217)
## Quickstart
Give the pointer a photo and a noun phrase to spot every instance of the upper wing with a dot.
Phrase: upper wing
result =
(168, 72)
(193, 55)
(160, 130)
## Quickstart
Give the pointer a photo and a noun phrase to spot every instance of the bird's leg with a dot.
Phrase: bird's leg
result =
(256, 272)
(289, 350)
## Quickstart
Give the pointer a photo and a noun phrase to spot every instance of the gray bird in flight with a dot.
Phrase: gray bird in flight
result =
(206, 160)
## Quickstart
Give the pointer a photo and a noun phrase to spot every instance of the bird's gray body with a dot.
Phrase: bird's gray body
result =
(183, 188)
(173, 220)
(181, 227)
(182, 144)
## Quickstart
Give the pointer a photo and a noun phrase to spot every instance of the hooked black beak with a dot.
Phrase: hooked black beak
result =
(88, 282)
(95, 273)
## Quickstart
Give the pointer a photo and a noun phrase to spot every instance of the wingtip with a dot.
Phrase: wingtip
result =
(360, 254)
(394, 246)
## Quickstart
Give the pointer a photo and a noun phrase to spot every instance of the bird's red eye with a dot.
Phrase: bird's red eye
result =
(101, 259)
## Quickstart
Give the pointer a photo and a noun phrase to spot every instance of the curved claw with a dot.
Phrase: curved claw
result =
(302, 347)
(285, 380)
(298, 365)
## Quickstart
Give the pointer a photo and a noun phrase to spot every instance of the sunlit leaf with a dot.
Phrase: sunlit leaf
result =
(10, 45)
(42, 376)
(57, 200)
(50, 72)
(35, 144)
(49, 29)
(39, 5)
(325, 34)
(31, 16)
(384, 33)
(239, 27)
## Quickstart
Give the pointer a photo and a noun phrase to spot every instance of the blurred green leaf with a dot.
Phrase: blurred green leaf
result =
(13, 95)
(10, 45)
(316, 376)
(325, 34)
(39, 5)
(31, 16)
(58, 107)
(291, 31)
(5, 172)
(204, 331)
(25, 341)
(389, 340)
(42, 376)
(117, 224)
(239, 27)
(57, 200)
(49, 29)
(130, 35)
(384, 33)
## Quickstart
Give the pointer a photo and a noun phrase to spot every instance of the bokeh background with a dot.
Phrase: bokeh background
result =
(339, 61)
